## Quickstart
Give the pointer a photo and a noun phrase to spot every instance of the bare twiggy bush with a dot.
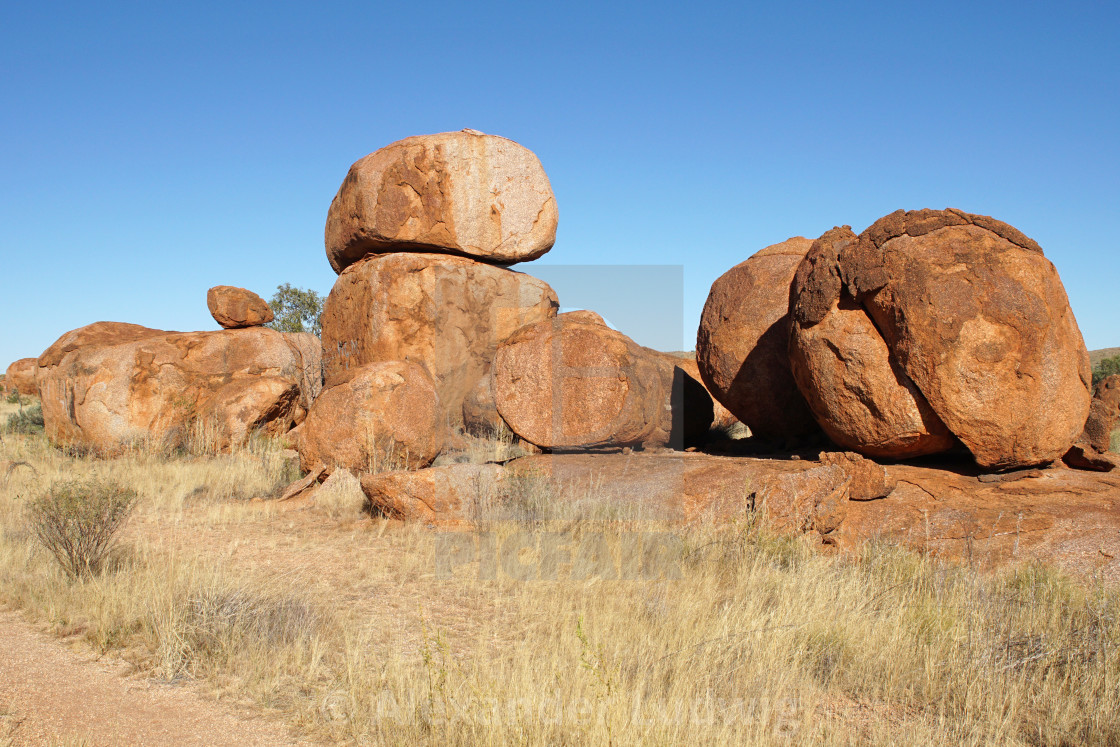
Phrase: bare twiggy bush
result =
(77, 521)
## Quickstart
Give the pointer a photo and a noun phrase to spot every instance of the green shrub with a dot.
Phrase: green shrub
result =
(76, 521)
(1106, 367)
(13, 397)
(26, 421)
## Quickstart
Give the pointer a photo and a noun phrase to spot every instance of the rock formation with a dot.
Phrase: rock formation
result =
(236, 308)
(576, 383)
(972, 314)
(741, 346)
(383, 416)
(109, 385)
(447, 314)
(455, 193)
(20, 377)
(858, 394)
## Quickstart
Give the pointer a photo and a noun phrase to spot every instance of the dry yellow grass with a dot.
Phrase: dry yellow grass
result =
(373, 632)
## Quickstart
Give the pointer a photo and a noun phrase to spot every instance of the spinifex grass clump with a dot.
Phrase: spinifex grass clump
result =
(77, 519)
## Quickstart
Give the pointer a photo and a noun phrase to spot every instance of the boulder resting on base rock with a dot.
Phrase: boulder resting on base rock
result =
(446, 314)
(464, 192)
(235, 308)
(386, 415)
(741, 345)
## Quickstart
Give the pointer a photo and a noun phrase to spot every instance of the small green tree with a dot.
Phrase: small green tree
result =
(1106, 367)
(296, 310)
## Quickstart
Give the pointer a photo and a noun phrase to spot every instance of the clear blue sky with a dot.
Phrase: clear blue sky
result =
(151, 150)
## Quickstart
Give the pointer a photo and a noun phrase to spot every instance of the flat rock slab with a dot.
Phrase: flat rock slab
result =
(1068, 517)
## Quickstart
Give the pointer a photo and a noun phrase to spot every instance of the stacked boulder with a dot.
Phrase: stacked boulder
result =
(573, 382)
(109, 385)
(930, 329)
(422, 234)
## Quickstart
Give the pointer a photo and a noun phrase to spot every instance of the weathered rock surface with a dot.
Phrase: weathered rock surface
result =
(576, 383)
(447, 314)
(449, 495)
(1107, 391)
(98, 334)
(384, 415)
(860, 397)
(456, 192)
(235, 308)
(1064, 516)
(20, 377)
(108, 385)
(869, 480)
(978, 319)
(741, 347)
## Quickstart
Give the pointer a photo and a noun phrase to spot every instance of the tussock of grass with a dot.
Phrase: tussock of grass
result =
(734, 636)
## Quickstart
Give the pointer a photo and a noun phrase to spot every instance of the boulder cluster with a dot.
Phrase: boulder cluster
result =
(111, 385)
(930, 331)
(428, 331)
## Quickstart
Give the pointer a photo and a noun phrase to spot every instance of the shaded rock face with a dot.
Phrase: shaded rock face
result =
(974, 316)
(741, 346)
(20, 377)
(721, 416)
(235, 308)
(447, 314)
(384, 415)
(858, 394)
(576, 383)
(456, 192)
(109, 385)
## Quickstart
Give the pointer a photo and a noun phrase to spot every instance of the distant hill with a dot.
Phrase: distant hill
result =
(1096, 356)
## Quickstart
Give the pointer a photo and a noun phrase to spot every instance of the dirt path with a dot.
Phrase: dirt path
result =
(50, 694)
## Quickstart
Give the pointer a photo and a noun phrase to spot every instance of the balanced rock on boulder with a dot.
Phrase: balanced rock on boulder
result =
(858, 394)
(447, 314)
(973, 315)
(576, 383)
(109, 385)
(236, 308)
(20, 377)
(456, 192)
(384, 416)
(741, 347)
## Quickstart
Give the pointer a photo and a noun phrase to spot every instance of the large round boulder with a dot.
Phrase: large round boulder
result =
(235, 308)
(385, 416)
(858, 394)
(456, 192)
(447, 314)
(110, 385)
(975, 317)
(741, 346)
(576, 383)
(20, 377)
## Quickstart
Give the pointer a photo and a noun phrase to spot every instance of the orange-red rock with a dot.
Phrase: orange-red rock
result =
(235, 308)
(20, 377)
(858, 394)
(576, 383)
(978, 319)
(449, 495)
(109, 385)
(741, 346)
(385, 415)
(971, 318)
(456, 192)
(447, 314)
